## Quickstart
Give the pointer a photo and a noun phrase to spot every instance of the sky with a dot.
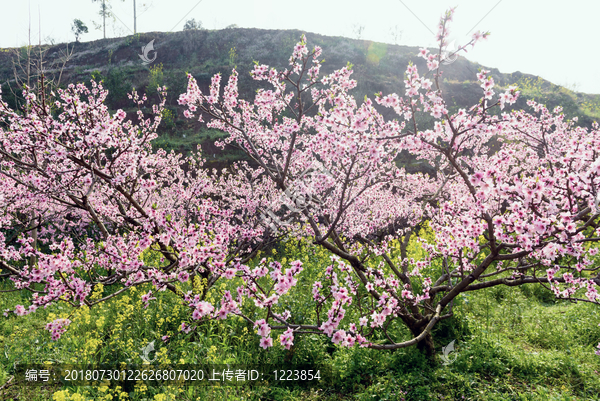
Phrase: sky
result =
(555, 40)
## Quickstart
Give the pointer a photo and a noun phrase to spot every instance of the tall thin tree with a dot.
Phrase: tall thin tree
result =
(104, 11)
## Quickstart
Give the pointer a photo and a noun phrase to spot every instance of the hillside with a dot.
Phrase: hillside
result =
(377, 67)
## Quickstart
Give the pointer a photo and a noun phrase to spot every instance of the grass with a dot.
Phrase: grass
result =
(511, 344)
(186, 141)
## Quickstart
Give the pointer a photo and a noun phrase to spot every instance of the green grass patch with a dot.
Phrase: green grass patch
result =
(510, 344)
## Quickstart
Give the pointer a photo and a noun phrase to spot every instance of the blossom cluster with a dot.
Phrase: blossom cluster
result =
(512, 200)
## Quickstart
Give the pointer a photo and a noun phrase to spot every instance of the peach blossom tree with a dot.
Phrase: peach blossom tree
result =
(85, 199)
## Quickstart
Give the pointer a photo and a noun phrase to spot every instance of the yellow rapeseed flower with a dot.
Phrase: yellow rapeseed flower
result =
(61, 395)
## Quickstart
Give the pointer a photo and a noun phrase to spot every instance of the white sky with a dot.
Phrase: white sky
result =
(556, 40)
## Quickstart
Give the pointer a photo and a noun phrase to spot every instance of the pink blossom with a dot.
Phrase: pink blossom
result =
(338, 336)
(20, 310)
(183, 276)
(58, 327)
(287, 338)
(266, 342)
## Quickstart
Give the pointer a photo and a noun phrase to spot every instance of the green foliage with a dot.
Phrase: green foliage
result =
(117, 83)
(542, 294)
(552, 95)
(132, 39)
(232, 56)
(376, 52)
(156, 78)
(185, 140)
(591, 107)
(168, 118)
(78, 28)
(192, 25)
(532, 88)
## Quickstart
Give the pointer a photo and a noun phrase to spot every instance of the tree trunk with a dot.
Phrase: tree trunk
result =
(34, 235)
(427, 346)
